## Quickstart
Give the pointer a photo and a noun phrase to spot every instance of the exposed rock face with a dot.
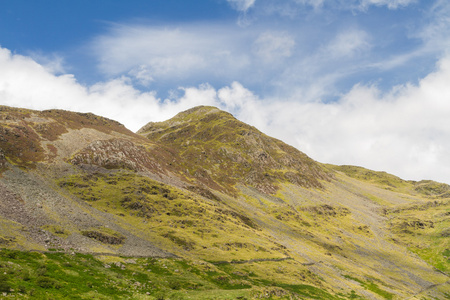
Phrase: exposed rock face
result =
(116, 154)
(27, 135)
(104, 238)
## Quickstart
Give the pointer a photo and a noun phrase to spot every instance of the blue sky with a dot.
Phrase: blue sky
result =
(360, 82)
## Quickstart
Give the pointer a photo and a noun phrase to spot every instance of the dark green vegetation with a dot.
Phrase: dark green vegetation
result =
(203, 206)
(36, 275)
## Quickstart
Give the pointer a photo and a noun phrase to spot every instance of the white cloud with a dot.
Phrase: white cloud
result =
(314, 3)
(348, 43)
(242, 5)
(437, 30)
(142, 74)
(405, 132)
(53, 63)
(154, 53)
(25, 83)
(272, 46)
(291, 8)
(391, 4)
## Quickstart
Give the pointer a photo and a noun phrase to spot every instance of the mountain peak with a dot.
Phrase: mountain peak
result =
(220, 152)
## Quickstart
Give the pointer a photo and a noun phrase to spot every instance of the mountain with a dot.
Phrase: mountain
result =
(207, 207)
(220, 152)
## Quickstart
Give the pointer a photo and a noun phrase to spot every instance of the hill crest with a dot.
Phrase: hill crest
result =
(220, 151)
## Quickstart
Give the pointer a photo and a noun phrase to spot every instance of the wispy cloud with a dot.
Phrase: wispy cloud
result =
(348, 43)
(292, 8)
(273, 46)
(391, 4)
(280, 60)
(171, 53)
(54, 63)
(436, 32)
(242, 5)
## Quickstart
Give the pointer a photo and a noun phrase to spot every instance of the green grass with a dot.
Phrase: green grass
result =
(216, 150)
(427, 188)
(36, 275)
(181, 220)
(423, 228)
(371, 286)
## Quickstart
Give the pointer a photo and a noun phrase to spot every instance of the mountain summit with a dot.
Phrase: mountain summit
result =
(205, 206)
(220, 151)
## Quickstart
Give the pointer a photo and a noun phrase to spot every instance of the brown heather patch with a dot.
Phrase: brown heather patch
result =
(22, 132)
(21, 145)
(50, 131)
(75, 120)
(53, 152)
(11, 113)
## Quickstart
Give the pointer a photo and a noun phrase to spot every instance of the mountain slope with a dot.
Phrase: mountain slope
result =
(227, 207)
(219, 151)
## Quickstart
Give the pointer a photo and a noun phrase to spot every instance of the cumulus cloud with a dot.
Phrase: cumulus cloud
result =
(25, 83)
(404, 131)
(53, 63)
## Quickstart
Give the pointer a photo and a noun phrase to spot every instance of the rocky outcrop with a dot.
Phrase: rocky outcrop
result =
(116, 154)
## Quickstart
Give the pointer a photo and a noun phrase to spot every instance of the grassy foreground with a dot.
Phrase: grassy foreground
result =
(33, 275)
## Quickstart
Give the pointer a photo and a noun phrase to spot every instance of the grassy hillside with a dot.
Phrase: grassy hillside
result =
(427, 188)
(218, 151)
(203, 206)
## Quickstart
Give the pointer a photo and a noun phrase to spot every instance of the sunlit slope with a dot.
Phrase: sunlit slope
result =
(335, 223)
(218, 151)
(233, 212)
(428, 188)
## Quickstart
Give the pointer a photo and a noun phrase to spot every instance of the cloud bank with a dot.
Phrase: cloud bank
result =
(404, 131)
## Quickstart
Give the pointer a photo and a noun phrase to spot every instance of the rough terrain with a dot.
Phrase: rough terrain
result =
(204, 189)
